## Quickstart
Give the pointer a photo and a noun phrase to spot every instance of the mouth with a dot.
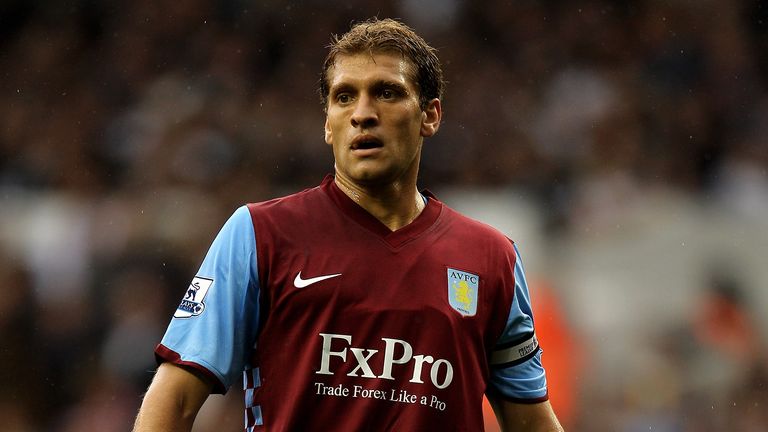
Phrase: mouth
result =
(366, 142)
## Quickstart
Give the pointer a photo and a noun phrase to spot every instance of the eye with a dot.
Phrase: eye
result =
(387, 94)
(343, 98)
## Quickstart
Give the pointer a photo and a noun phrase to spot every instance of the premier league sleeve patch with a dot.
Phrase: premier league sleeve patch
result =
(193, 302)
(462, 291)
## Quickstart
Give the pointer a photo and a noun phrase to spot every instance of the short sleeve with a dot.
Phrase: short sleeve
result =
(214, 327)
(517, 373)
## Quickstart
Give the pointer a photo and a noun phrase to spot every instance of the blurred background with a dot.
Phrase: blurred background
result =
(622, 145)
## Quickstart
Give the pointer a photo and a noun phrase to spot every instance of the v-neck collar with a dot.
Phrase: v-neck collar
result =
(423, 221)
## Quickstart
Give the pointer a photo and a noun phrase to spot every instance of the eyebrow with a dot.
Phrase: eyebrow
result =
(339, 88)
(376, 86)
(391, 84)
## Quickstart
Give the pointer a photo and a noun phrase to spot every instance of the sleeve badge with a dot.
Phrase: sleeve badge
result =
(193, 302)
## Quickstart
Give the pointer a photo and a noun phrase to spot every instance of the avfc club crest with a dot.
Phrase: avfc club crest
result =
(462, 291)
(192, 304)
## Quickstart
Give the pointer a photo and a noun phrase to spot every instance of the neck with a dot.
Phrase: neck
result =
(395, 204)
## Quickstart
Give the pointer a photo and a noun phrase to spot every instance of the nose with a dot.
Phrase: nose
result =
(365, 114)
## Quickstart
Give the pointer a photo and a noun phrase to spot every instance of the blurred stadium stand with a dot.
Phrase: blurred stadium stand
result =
(623, 145)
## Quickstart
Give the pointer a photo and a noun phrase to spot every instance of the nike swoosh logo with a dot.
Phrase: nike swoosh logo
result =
(298, 282)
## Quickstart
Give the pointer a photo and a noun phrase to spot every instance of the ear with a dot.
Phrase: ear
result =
(430, 118)
(328, 134)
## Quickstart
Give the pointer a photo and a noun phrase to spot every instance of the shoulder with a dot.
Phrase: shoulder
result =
(475, 230)
(296, 202)
(297, 216)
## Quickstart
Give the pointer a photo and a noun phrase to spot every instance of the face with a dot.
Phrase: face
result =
(374, 122)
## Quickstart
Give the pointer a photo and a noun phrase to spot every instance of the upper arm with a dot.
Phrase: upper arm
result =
(215, 325)
(517, 383)
(173, 399)
(189, 385)
(516, 371)
(524, 417)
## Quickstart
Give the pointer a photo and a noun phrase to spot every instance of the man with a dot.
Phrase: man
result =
(361, 304)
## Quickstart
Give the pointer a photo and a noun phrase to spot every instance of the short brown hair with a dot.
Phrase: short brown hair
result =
(388, 35)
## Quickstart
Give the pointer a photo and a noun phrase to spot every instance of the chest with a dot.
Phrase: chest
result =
(352, 275)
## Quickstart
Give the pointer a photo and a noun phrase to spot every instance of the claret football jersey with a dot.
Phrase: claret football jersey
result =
(336, 323)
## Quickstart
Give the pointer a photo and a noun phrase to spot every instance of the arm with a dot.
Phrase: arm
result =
(173, 400)
(213, 330)
(516, 369)
(513, 417)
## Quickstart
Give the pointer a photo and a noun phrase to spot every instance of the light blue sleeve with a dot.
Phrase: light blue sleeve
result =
(216, 322)
(516, 370)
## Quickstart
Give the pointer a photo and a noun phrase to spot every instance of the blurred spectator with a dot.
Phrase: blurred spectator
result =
(23, 391)
(129, 132)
